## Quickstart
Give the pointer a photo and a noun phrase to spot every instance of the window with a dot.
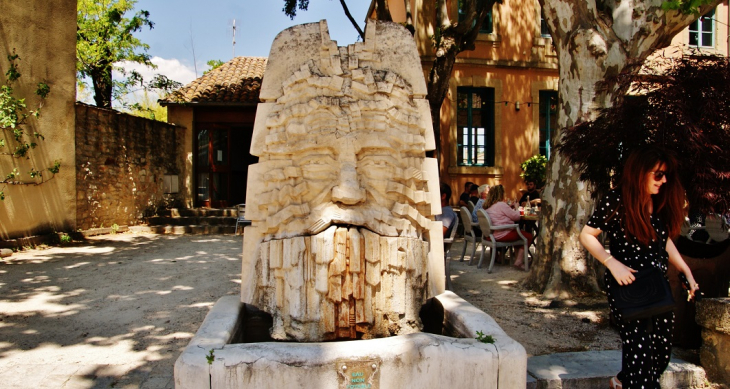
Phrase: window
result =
(487, 26)
(544, 28)
(702, 31)
(548, 119)
(475, 122)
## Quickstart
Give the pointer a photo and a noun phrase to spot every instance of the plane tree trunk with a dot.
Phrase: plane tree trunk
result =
(595, 41)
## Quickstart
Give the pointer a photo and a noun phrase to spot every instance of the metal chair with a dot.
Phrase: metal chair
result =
(469, 235)
(488, 239)
(448, 241)
(470, 206)
(240, 219)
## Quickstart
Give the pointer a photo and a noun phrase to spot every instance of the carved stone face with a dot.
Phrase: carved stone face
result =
(343, 197)
(356, 156)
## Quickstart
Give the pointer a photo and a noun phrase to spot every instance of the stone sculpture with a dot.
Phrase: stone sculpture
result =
(342, 242)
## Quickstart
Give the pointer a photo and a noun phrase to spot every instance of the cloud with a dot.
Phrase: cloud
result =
(172, 68)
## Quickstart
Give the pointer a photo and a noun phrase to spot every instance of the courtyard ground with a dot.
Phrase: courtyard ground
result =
(116, 311)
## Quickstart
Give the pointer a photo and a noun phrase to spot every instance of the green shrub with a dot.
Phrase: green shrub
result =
(534, 170)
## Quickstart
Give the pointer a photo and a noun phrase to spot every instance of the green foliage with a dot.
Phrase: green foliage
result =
(145, 106)
(11, 176)
(214, 64)
(685, 6)
(290, 7)
(210, 357)
(484, 338)
(105, 37)
(115, 228)
(65, 239)
(56, 167)
(534, 170)
(14, 115)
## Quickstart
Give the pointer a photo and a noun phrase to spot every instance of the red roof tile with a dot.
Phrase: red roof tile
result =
(236, 81)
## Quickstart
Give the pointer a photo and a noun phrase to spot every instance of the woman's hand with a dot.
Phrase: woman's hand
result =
(693, 286)
(623, 274)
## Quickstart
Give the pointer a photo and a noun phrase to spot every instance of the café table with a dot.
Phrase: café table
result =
(529, 222)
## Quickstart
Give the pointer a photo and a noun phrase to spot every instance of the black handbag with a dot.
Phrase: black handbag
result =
(649, 295)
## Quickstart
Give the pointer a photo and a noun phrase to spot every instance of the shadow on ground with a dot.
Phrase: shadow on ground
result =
(541, 325)
(115, 312)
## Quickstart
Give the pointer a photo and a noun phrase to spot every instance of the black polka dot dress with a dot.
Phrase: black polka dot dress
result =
(646, 347)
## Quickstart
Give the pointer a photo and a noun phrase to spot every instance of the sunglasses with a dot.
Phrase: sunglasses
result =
(659, 174)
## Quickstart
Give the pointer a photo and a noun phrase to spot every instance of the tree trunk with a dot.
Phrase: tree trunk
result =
(454, 38)
(594, 41)
(101, 77)
(382, 10)
(438, 85)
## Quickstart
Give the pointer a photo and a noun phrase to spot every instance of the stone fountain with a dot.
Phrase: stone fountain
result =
(343, 251)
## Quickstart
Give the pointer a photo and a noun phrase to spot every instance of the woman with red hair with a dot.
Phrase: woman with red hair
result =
(640, 217)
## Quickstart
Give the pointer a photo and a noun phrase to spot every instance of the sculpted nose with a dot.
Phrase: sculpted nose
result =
(348, 190)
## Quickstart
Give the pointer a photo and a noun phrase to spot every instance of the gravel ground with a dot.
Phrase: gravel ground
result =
(541, 326)
(114, 312)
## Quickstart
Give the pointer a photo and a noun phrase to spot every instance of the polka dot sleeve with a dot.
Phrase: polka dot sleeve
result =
(604, 208)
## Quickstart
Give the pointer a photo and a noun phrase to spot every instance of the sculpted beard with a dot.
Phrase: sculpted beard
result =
(344, 282)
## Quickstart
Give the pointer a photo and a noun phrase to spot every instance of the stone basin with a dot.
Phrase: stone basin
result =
(421, 360)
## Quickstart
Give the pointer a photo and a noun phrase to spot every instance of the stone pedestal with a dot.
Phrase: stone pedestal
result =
(713, 315)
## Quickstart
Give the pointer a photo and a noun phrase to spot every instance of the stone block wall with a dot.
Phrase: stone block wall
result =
(121, 161)
(713, 315)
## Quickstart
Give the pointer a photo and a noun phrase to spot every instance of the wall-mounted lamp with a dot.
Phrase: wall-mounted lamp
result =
(517, 105)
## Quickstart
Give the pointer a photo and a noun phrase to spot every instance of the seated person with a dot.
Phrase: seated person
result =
(447, 216)
(464, 198)
(500, 214)
(474, 193)
(532, 193)
(483, 191)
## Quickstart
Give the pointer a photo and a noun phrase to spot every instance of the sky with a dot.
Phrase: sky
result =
(204, 28)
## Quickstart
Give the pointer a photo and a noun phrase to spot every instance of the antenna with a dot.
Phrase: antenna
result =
(234, 38)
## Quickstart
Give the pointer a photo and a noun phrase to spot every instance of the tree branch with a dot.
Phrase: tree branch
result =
(352, 20)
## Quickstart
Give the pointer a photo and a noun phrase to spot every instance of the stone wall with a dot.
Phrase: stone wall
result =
(121, 162)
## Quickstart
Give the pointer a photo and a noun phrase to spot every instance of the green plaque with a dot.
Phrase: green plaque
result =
(358, 373)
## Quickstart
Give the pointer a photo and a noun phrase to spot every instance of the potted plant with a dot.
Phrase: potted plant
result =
(534, 169)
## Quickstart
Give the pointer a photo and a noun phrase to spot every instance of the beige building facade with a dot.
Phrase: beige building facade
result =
(501, 108)
(709, 35)
(43, 34)
(497, 113)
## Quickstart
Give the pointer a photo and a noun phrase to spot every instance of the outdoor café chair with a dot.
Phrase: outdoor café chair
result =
(448, 241)
(240, 219)
(485, 223)
(469, 235)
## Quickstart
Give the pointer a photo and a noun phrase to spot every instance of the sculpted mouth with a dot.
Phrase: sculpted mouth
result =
(375, 219)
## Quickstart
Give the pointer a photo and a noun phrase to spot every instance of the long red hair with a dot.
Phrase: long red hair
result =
(636, 199)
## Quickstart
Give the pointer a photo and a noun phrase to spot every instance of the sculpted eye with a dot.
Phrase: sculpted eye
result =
(380, 159)
(316, 162)
(318, 167)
